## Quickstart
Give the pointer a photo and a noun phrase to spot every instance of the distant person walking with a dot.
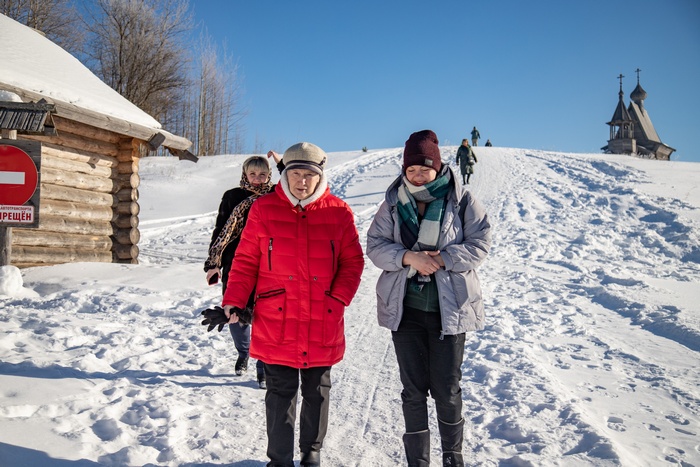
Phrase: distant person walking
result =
(466, 160)
(488, 143)
(475, 137)
(429, 236)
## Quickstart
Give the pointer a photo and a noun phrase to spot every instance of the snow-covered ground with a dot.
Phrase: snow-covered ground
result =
(589, 356)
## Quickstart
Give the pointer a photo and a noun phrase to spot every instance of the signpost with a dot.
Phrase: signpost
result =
(20, 164)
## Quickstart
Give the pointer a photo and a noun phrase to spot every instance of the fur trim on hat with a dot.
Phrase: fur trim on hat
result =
(320, 190)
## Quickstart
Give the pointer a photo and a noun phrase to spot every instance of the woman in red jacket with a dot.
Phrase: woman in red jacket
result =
(300, 251)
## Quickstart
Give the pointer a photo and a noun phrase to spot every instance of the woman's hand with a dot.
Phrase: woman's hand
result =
(232, 317)
(425, 262)
(437, 257)
(211, 273)
(275, 156)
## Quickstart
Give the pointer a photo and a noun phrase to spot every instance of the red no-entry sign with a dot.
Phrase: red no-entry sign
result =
(18, 176)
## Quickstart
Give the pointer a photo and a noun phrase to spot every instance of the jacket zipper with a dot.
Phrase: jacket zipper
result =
(269, 255)
(333, 254)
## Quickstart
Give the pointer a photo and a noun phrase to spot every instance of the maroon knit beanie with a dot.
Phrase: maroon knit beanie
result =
(422, 149)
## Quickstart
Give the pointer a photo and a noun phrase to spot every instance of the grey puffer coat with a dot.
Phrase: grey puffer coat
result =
(464, 244)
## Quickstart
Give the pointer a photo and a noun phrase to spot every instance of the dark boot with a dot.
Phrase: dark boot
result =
(451, 436)
(417, 447)
(310, 459)
(241, 365)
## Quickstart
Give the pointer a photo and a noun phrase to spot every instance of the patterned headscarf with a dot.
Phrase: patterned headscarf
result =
(236, 221)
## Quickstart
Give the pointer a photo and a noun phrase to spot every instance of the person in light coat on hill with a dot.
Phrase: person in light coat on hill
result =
(429, 236)
(301, 253)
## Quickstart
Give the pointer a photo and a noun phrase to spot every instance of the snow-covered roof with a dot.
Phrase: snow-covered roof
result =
(34, 68)
(33, 63)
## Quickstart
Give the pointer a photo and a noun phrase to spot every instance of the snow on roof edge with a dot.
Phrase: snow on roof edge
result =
(34, 63)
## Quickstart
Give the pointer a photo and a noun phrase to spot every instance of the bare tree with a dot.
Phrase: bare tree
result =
(259, 145)
(218, 97)
(142, 49)
(139, 48)
(58, 20)
(235, 110)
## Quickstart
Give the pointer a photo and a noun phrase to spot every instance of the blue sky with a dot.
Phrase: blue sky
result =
(538, 75)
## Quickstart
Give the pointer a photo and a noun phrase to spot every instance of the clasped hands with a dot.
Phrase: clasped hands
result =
(425, 262)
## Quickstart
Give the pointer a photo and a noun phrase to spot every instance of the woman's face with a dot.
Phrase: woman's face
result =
(302, 182)
(419, 175)
(257, 177)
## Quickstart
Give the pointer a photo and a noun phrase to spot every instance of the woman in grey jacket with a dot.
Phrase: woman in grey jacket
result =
(429, 236)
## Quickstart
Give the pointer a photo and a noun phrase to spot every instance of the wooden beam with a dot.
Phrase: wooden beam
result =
(125, 252)
(75, 210)
(40, 254)
(127, 236)
(65, 193)
(100, 120)
(32, 237)
(77, 226)
(69, 140)
(67, 165)
(77, 155)
(82, 129)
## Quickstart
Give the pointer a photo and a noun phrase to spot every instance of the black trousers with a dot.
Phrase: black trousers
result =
(428, 364)
(281, 407)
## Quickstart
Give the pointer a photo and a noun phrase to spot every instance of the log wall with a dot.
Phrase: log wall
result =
(89, 199)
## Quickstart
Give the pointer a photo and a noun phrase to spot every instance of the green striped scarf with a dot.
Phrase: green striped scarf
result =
(422, 235)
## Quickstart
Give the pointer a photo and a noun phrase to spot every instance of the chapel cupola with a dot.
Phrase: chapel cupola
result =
(631, 130)
(621, 128)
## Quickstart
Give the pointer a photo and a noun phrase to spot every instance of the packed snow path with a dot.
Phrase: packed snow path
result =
(589, 356)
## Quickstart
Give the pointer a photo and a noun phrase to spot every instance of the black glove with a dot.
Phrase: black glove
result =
(245, 315)
(214, 317)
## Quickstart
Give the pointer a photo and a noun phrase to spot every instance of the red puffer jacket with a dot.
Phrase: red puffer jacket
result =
(305, 265)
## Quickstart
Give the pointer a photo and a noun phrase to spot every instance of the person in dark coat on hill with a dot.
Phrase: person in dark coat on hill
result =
(300, 252)
(466, 160)
(475, 137)
(488, 143)
(255, 182)
(428, 237)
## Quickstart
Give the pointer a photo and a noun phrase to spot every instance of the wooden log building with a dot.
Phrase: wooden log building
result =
(89, 179)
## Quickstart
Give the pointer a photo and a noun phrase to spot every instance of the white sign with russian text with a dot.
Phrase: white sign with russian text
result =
(16, 214)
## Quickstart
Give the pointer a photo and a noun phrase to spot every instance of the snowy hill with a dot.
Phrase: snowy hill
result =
(589, 356)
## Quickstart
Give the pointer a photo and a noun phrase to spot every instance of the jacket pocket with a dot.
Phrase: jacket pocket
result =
(271, 316)
(468, 301)
(333, 321)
